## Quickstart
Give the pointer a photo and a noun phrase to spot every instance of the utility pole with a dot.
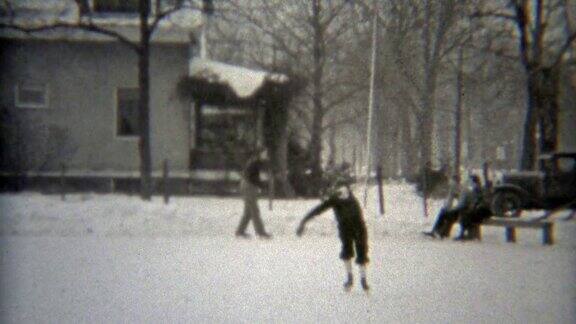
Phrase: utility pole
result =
(371, 102)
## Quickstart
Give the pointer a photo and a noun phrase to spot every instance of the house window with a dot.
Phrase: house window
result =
(171, 3)
(227, 129)
(31, 95)
(501, 153)
(127, 112)
(566, 164)
(115, 6)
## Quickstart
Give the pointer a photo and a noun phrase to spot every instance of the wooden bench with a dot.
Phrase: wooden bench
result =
(511, 225)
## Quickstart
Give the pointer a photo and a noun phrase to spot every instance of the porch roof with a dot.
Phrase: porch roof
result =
(220, 83)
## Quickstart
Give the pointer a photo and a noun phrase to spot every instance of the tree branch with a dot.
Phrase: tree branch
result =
(343, 98)
(522, 25)
(342, 121)
(493, 14)
(164, 14)
(333, 14)
(571, 39)
(89, 27)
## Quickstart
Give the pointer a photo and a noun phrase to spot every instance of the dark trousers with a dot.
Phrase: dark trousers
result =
(354, 240)
(251, 211)
(444, 221)
(470, 220)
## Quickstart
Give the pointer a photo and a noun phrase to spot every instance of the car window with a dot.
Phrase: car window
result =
(566, 164)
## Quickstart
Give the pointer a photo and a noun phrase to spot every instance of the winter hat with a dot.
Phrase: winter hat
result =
(475, 179)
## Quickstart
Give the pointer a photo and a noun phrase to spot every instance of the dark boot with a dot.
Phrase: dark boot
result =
(265, 236)
(242, 235)
(431, 234)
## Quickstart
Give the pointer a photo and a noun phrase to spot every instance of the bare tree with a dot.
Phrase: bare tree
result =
(420, 37)
(546, 39)
(311, 39)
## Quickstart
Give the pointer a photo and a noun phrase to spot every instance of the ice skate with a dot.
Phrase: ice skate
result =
(363, 281)
(349, 283)
(364, 284)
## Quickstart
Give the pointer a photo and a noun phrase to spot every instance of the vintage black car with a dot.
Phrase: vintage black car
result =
(553, 186)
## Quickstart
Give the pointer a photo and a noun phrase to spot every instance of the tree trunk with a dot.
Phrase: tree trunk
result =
(332, 147)
(316, 141)
(426, 129)
(458, 117)
(395, 152)
(144, 103)
(276, 139)
(529, 140)
(548, 112)
(282, 173)
(426, 97)
(542, 115)
(408, 164)
(318, 115)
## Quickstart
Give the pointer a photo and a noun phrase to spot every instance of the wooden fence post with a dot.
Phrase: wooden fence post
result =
(271, 190)
(380, 189)
(510, 234)
(63, 181)
(165, 182)
(547, 235)
(112, 185)
(189, 181)
(425, 188)
(353, 167)
(486, 174)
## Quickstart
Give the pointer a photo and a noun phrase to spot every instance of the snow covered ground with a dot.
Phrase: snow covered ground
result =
(114, 259)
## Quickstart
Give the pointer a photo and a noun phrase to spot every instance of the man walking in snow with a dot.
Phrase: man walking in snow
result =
(351, 229)
(249, 186)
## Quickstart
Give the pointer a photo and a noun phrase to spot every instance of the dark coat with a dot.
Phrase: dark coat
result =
(351, 225)
(251, 172)
(347, 211)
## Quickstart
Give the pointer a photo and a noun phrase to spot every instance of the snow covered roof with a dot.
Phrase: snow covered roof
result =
(243, 81)
(172, 34)
(176, 28)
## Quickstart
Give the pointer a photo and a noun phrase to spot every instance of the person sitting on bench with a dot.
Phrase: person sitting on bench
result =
(465, 210)
(476, 212)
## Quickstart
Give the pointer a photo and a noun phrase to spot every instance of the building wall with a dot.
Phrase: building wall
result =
(82, 80)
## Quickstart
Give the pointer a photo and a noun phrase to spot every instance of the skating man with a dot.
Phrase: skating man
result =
(351, 229)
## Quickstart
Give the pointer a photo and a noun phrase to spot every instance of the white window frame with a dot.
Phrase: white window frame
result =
(117, 135)
(501, 153)
(36, 86)
(91, 6)
(211, 110)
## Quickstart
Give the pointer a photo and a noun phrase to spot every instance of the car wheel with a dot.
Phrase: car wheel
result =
(506, 204)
